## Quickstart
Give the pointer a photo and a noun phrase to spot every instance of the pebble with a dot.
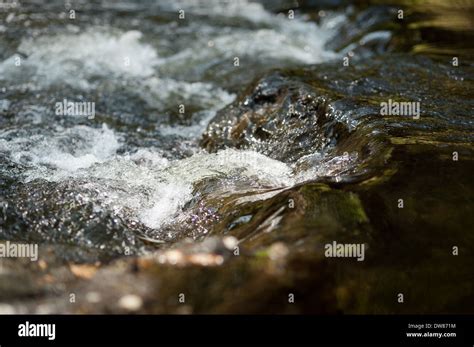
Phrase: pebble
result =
(131, 302)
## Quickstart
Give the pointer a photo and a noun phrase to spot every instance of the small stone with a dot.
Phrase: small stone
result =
(7, 309)
(93, 297)
(131, 302)
(278, 251)
(230, 242)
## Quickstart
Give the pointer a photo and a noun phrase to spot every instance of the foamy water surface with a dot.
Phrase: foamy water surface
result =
(172, 66)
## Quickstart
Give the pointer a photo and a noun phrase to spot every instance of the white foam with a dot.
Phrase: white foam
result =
(292, 43)
(278, 37)
(162, 92)
(180, 177)
(145, 186)
(76, 59)
(56, 157)
(252, 11)
(168, 201)
(155, 189)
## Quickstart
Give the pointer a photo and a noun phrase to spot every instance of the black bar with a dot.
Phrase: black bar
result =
(214, 329)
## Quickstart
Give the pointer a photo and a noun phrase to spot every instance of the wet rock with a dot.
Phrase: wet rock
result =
(56, 213)
(280, 117)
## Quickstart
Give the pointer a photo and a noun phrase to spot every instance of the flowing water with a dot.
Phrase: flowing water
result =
(232, 124)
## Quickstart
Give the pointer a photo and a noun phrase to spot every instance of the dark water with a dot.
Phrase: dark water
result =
(228, 147)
